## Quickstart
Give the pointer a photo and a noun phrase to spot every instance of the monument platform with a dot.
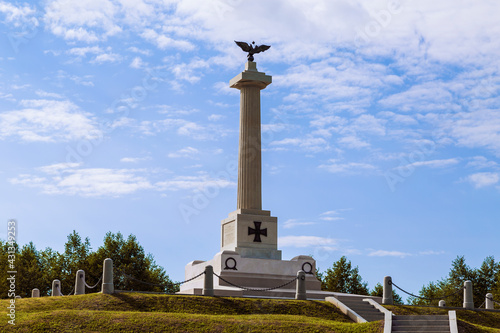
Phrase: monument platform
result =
(254, 273)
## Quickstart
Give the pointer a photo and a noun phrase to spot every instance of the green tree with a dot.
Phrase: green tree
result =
(378, 290)
(131, 263)
(29, 270)
(483, 280)
(342, 277)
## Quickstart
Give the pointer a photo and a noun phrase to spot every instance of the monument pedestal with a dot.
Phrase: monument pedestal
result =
(253, 273)
(249, 254)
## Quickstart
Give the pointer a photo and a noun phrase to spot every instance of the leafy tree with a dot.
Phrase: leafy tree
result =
(37, 269)
(29, 272)
(378, 290)
(342, 277)
(484, 280)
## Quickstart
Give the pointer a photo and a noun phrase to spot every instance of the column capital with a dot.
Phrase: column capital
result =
(250, 77)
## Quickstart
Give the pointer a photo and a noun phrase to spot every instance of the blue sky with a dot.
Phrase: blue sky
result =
(381, 129)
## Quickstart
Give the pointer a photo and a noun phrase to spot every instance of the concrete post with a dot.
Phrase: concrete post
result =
(80, 282)
(468, 298)
(208, 288)
(489, 302)
(387, 293)
(35, 292)
(442, 303)
(107, 286)
(300, 290)
(56, 287)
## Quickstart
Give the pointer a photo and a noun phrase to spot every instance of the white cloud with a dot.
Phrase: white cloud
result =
(49, 121)
(137, 63)
(481, 162)
(134, 159)
(69, 179)
(188, 152)
(383, 253)
(85, 20)
(334, 166)
(307, 241)
(200, 182)
(292, 223)
(483, 179)
(310, 144)
(19, 15)
(432, 163)
(163, 42)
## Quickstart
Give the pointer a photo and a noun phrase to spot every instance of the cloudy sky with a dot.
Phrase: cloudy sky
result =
(381, 129)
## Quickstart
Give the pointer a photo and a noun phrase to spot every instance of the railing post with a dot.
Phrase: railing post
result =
(208, 288)
(489, 302)
(300, 290)
(387, 293)
(35, 292)
(107, 286)
(442, 303)
(468, 298)
(80, 282)
(56, 287)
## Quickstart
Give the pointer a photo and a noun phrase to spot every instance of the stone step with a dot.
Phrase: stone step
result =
(420, 322)
(428, 324)
(418, 318)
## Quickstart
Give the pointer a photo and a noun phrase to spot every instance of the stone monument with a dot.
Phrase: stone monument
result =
(249, 255)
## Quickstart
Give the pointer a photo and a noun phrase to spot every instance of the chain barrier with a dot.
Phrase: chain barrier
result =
(95, 285)
(253, 289)
(158, 285)
(70, 293)
(491, 299)
(429, 299)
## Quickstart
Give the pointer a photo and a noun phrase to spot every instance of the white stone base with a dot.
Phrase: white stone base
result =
(253, 273)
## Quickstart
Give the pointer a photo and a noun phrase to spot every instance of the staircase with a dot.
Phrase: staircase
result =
(428, 324)
(362, 308)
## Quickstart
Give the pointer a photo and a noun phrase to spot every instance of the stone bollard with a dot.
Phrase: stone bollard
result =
(107, 286)
(489, 302)
(442, 303)
(80, 282)
(468, 298)
(35, 292)
(300, 290)
(56, 288)
(208, 288)
(387, 293)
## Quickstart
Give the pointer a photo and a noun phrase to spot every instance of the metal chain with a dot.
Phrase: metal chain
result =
(429, 299)
(95, 285)
(70, 293)
(253, 289)
(491, 299)
(159, 285)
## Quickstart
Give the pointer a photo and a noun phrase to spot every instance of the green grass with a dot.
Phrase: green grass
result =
(134, 312)
(468, 321)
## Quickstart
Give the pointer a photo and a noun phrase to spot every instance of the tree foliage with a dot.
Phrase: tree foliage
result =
(485, 279)
(343, 278)
(37, 269)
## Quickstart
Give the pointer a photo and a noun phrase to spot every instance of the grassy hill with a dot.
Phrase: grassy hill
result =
(134, 312)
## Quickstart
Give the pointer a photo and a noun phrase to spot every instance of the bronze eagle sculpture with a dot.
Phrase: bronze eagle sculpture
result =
(251, 49)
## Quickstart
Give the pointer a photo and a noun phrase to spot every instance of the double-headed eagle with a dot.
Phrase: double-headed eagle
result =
(251, 49)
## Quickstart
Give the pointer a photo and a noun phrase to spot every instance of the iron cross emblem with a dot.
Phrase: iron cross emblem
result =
(257, 231)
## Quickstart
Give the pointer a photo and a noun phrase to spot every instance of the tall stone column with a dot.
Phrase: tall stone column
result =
(250, 231)
(250, 82)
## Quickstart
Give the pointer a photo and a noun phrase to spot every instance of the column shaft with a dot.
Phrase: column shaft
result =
(249, 158)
